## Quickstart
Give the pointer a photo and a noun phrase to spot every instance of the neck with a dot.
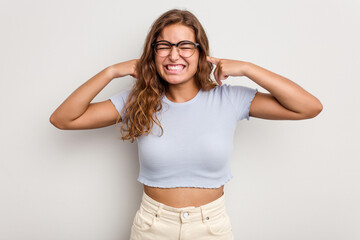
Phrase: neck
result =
(182, 92)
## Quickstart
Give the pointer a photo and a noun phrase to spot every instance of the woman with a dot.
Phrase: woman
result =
(184, 157)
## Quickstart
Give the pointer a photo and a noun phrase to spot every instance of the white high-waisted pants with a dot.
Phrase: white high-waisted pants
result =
(155, 220)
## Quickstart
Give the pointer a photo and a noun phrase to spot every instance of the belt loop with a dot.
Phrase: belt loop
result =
(158, 211)
(204, 214)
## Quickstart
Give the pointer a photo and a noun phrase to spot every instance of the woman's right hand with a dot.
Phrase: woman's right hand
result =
(124, 68)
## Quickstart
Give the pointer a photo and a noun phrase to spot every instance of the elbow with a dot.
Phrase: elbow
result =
(314, 111)
(318, 107)
(56, 123)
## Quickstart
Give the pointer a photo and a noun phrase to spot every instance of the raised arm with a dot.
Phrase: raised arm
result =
(286, 100)
(77, 111)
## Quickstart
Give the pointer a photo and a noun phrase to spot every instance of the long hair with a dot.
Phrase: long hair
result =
(144, 99)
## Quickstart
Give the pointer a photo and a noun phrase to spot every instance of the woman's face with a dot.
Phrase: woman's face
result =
(174, 68)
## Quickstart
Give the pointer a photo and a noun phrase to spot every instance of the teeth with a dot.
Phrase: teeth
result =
(178, 67)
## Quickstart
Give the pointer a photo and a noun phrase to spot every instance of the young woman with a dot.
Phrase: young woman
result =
(185, 156)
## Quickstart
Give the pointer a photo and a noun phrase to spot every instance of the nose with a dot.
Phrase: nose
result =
(174, 53)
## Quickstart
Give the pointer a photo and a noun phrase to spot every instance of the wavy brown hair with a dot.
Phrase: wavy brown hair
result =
(144, 99)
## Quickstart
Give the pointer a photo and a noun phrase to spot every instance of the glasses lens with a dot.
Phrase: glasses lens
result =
(187, 49)
(162, 49)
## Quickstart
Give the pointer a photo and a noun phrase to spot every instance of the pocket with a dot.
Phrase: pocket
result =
(219, 225)
(144, 220)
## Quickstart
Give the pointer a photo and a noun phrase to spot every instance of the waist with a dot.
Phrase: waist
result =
(184, 196)
(213, 210)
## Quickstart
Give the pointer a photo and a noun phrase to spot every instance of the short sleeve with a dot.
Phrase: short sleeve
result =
(119, 101)
(241, 98)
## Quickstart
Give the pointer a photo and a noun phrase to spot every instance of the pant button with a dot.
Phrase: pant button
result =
(186, 214)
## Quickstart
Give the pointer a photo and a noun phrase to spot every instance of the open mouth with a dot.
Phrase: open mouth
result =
(174, 68)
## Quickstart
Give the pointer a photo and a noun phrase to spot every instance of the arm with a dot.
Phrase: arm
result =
(76, 112)
(286, 100)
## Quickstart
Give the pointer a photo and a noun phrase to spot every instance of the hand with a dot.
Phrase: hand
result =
(125, 68)
(226, 67)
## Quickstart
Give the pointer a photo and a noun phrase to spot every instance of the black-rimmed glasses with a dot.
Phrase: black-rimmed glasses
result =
(186, 48)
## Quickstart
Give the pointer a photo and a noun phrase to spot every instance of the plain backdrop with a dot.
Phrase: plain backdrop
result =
(293, 180)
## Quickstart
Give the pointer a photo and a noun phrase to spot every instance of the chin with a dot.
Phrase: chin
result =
(175, 80)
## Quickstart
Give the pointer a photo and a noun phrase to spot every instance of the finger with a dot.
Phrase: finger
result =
(220, 75)
(212, 60)
(216, 75)
(223, 77)
(134, 74)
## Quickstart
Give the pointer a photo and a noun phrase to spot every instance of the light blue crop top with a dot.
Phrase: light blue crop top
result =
(197, 143)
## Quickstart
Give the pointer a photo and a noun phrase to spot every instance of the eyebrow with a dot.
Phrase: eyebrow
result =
(163, 40)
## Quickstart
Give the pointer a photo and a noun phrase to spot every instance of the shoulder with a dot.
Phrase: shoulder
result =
(234, 91)
(122, 94)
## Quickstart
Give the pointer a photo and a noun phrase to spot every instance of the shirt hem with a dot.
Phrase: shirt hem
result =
(152, 184)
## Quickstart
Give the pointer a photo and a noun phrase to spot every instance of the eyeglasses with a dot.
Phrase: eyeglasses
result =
(186, 48)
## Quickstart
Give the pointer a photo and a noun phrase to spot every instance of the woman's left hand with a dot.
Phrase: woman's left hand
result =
(226, 67)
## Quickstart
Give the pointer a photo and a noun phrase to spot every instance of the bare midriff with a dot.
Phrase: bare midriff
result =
(184, 196)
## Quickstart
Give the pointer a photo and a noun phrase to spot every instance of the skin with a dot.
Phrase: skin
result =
(182, 86)
(300, 104)
(285, 101)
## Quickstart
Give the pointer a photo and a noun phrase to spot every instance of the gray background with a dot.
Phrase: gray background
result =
(293, 180)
